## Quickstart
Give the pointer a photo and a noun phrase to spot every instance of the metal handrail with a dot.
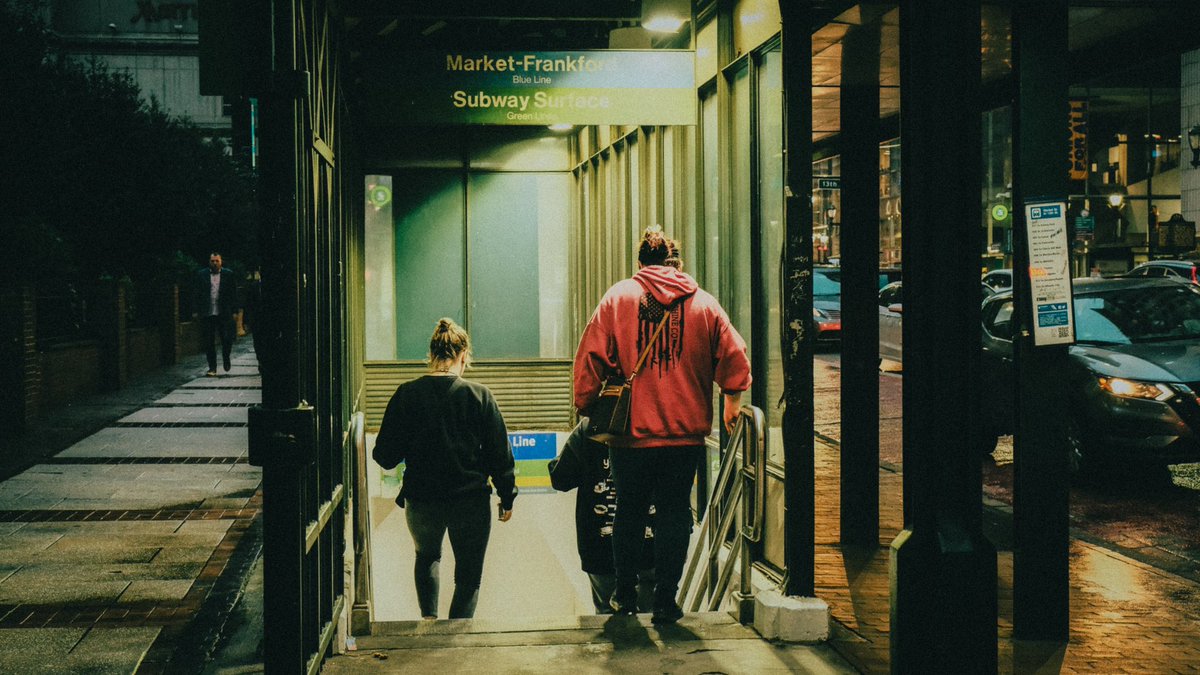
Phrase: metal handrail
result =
(747, 444)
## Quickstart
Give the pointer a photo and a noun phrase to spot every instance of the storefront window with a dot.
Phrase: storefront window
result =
(826, 208)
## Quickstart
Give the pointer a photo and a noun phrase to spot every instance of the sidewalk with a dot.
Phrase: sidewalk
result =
(1125, 616)
(126, 551)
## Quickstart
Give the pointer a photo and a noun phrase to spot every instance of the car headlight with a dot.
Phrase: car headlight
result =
(818, 314)
(1119, 386)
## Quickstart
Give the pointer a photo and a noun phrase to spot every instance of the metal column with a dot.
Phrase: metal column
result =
(859, 144)
(799, 522)
(942, 569)
(1041, 489)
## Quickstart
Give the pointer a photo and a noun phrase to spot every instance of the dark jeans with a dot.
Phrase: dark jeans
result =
(662, 476)
(603, 586)
(222, 326)
(470, 524)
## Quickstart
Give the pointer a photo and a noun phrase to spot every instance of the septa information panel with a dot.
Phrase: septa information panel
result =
(1050, 273)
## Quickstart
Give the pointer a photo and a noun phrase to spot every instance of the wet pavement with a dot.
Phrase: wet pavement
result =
(125, 551)
(1134, 601)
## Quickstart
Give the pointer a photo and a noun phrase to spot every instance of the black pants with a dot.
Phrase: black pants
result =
(603, 586)
(662, 476)
(222, 326)
(470, 525)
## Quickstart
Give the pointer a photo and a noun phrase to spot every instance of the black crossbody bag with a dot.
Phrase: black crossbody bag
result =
(608, 415)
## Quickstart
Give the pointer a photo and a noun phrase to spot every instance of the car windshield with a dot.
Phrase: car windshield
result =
(1137, 314)
(827, 283)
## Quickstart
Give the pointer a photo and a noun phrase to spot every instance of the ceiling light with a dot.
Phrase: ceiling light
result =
(665, 16)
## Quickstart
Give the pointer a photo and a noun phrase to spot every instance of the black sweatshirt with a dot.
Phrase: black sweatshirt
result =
(450, 435)
(583, 465)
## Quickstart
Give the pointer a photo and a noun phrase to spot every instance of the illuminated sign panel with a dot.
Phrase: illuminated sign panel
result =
(591, 87)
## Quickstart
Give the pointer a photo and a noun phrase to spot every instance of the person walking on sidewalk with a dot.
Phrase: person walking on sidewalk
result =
(671, 409)
(450, 435)
(216, 305)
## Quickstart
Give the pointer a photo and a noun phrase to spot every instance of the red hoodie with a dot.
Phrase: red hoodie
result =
(672, 394)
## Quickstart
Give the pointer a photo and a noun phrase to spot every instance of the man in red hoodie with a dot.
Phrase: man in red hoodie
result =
(671, 407)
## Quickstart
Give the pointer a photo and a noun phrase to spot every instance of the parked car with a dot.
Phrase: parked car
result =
(887, 275)
(1132, 377)
(1185, 270)
(999, 280)
(891, 310)
(827, 304)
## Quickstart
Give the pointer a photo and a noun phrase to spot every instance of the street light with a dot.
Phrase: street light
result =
(1116, 200)
(1194, 144)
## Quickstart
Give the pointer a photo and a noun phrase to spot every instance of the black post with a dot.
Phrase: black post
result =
(860, 284)
(799, 521)
(277, 346)
(1041, 490)
(943, 571)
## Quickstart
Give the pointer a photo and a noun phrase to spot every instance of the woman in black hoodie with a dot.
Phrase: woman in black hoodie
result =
(450, 435)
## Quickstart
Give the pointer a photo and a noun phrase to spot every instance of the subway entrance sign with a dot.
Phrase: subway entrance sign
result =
(539, 88)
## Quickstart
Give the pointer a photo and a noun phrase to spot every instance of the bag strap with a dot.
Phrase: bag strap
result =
(650, 344)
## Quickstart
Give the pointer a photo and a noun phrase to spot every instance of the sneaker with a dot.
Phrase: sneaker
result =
(666, 615)
(211, 373)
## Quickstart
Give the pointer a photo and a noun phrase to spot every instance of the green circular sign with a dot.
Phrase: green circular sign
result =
(380, 196)
(999, 212)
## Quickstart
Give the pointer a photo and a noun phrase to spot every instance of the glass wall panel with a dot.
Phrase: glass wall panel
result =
(634, 188)
(518, 263)
(429, 256)
(737, 300)
(670, 218)
(770, 205)
(379, 277)
(710, 275)
(687, 225)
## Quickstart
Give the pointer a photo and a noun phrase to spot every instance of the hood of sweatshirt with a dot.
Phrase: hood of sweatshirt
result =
(666, 284)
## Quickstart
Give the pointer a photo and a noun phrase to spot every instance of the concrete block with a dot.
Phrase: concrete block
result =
(790, 618)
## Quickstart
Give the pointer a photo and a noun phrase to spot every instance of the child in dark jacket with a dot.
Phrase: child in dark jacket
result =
(583, 465)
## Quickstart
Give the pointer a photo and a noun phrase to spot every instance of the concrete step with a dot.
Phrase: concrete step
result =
(535, 631)
(585, 645)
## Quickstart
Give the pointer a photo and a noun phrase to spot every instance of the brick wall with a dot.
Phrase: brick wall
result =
(143, 346)
(20, 367)
(1189, 115)
(71, 371)
(33, 381)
